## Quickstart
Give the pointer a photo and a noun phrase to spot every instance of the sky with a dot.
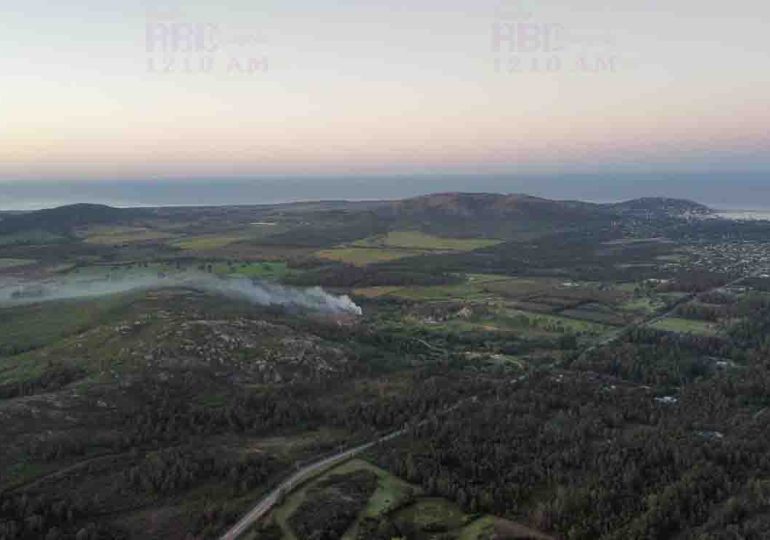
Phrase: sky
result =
(108, 89)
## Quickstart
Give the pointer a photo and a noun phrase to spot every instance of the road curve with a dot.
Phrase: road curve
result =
(309, 471)
(303, 475)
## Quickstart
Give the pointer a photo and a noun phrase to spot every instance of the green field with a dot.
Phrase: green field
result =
(282, 514)
(686, 326)
(119, 271)
(421, 241)
(498, 314)
(462, 291)
(268, 270)
(253, 232)
(399, 245)
(375, 292)
(125, 235)
(30, 237)
(203, 243)
(521, 322)
(518, 287)
(485, 278)
(400, 501)
(361, 256)
(554, 323)
(645, 304)
(431, 514)
(476, 286)
(391, 492)
(481, 528)
(24, 328)
(256, 270)
(15, 263)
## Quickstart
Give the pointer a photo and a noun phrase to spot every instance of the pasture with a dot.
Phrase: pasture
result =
(25, 328)
(362, 256)
(397, 245)
(115, 236)
(30, 237)
(268, 270)
(398, 501)
(686, 326)
(207, 242)
(420, 241)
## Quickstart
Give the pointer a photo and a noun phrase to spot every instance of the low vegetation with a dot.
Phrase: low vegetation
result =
(361, 256)
(417, 240)
(685, 326)
(561, 370)
(15, 263)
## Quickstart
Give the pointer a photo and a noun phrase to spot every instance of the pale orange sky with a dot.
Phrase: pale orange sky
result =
(375, 87)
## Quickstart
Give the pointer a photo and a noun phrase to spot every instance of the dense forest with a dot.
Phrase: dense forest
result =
(602, 451)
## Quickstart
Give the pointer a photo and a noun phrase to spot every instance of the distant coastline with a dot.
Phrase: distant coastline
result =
(744, 196)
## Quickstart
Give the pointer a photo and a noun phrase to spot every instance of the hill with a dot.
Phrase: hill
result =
(503, 215)
(486, 204)
(64, 219)
(490, 213)
(661, 207)
(473, 205)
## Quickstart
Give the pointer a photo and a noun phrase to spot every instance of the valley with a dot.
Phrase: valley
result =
(552, 369)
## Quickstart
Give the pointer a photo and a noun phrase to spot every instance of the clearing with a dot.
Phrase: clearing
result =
(360, 256)
(399, 245)
(686, 326)
(421, 241)
(406, 506)
(202, 243)
(108, 236)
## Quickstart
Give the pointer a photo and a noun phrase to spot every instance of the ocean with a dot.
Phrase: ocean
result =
(734, 192)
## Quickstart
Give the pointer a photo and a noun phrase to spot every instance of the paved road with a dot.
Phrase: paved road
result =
(314, 469)
(656, 317)
(299, 477)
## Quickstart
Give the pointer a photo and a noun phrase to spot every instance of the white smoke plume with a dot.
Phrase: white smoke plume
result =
(265, 293)
(259, 292)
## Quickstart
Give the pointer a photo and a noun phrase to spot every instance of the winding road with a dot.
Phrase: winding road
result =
(314, 469)
(301, 476)
(658, 316)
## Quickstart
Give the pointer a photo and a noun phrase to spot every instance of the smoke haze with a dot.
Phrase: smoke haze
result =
(258, 292)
